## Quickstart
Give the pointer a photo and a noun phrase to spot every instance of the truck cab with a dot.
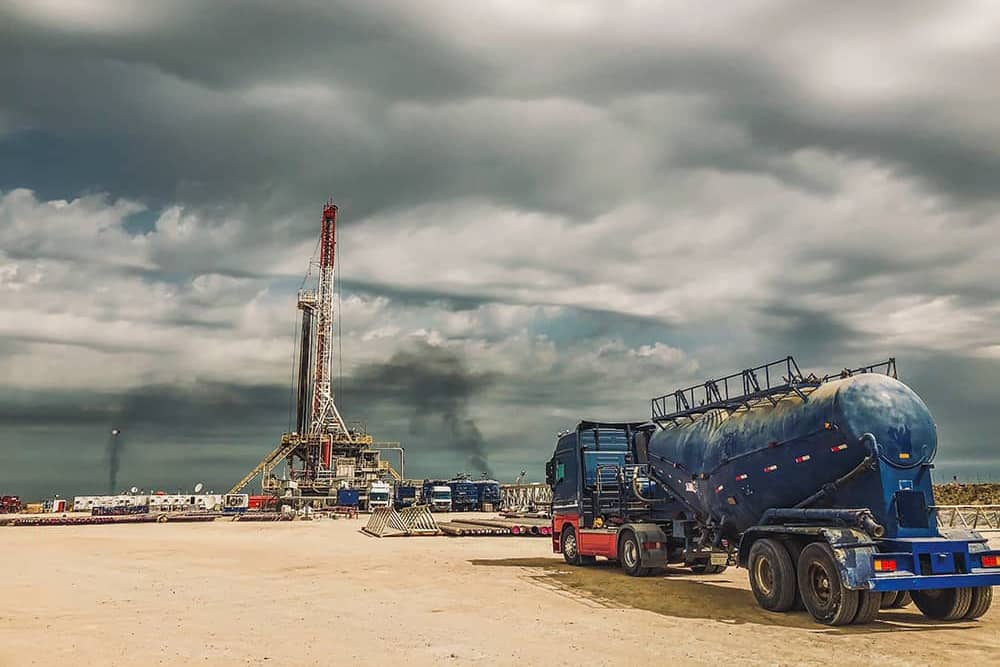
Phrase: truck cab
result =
(440, 498)
(605, 504)
(379, 495)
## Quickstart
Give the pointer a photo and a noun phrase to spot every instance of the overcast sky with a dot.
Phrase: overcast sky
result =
(549, 211)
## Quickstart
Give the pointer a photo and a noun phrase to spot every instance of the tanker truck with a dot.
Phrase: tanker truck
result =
(819, 486)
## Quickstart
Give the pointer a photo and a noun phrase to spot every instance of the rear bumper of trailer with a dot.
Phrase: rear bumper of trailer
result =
(907, 581)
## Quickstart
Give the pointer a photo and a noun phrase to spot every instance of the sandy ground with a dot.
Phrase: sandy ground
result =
(322, 593)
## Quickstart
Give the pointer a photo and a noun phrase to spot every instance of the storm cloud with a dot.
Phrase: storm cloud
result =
(549, 211)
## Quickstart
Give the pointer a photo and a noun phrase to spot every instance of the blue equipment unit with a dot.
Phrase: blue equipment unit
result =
(347, 497)
(487, 493)
(464, 495)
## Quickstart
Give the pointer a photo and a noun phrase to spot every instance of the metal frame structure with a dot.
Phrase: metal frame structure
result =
(324, 452)
(981, 518)
(770, 382)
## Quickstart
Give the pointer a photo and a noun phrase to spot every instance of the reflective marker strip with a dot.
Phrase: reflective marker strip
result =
(770, 468)
(802, 459)
(740, 478)
(838, 448)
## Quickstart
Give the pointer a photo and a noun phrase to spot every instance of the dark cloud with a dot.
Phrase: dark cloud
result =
(578, 211)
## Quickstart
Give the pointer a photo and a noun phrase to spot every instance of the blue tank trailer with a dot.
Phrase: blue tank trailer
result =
(819, 486)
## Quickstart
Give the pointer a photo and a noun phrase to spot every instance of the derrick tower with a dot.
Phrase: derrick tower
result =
(323, 452)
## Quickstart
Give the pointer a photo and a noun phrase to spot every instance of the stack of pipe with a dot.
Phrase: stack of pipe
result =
(499, 526)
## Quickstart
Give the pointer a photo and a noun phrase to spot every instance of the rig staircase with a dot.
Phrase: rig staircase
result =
(277, 454)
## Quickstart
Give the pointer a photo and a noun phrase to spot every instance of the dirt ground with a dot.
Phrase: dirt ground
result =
(322, 593)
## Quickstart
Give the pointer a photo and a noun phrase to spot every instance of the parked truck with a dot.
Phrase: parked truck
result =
(379, 495)
(819, 486)
(406, 495)
(437, 495)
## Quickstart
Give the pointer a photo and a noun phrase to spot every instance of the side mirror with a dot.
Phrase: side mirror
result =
(550, 473)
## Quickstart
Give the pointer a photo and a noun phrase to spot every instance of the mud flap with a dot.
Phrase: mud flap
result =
(649, 534)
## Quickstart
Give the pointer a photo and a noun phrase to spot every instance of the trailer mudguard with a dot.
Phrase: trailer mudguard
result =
(653, 546)
(852, 549)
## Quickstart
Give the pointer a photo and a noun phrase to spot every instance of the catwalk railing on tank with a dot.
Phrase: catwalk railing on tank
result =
(768, 382)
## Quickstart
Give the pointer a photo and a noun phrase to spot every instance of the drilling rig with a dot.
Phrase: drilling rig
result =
(323, 453)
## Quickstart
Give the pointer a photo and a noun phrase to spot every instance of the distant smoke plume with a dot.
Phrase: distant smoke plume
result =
(115, 444)
(436, 385)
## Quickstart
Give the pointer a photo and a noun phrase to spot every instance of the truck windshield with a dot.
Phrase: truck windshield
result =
(441, 495)
(379, 496)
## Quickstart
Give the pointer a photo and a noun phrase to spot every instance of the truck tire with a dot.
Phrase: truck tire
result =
(629, 555)
(869, 603)
(824, 595)
(982, 598)
(772, 575)
(569, 546)
(896, 599)
(943, 604)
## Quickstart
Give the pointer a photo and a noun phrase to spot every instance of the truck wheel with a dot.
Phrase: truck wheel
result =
(868, 606)
(823, 594)
(896, 599)
(772, 575)
(570, 547)
(943, 604)
(629, 556)
(982, 598)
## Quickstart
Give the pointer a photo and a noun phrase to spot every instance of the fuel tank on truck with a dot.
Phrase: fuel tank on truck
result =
(733, 465)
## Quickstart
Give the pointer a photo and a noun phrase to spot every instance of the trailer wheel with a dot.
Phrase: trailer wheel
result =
(823, 594)
(569, 546)
(982, 598)
(944, 604)
(868, 606)
(772, 575)
(630, 557)
(896, 599)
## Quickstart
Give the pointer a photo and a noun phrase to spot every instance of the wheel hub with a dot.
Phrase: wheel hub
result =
(630, 554)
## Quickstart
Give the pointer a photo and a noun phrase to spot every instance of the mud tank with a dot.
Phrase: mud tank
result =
(819, 486)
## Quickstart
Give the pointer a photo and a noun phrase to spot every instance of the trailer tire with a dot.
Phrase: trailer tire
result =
(630, 555)
(943, 604)
(823, 593)
(896, 599)
(772, 575)
(982, 598)
(869, 603)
